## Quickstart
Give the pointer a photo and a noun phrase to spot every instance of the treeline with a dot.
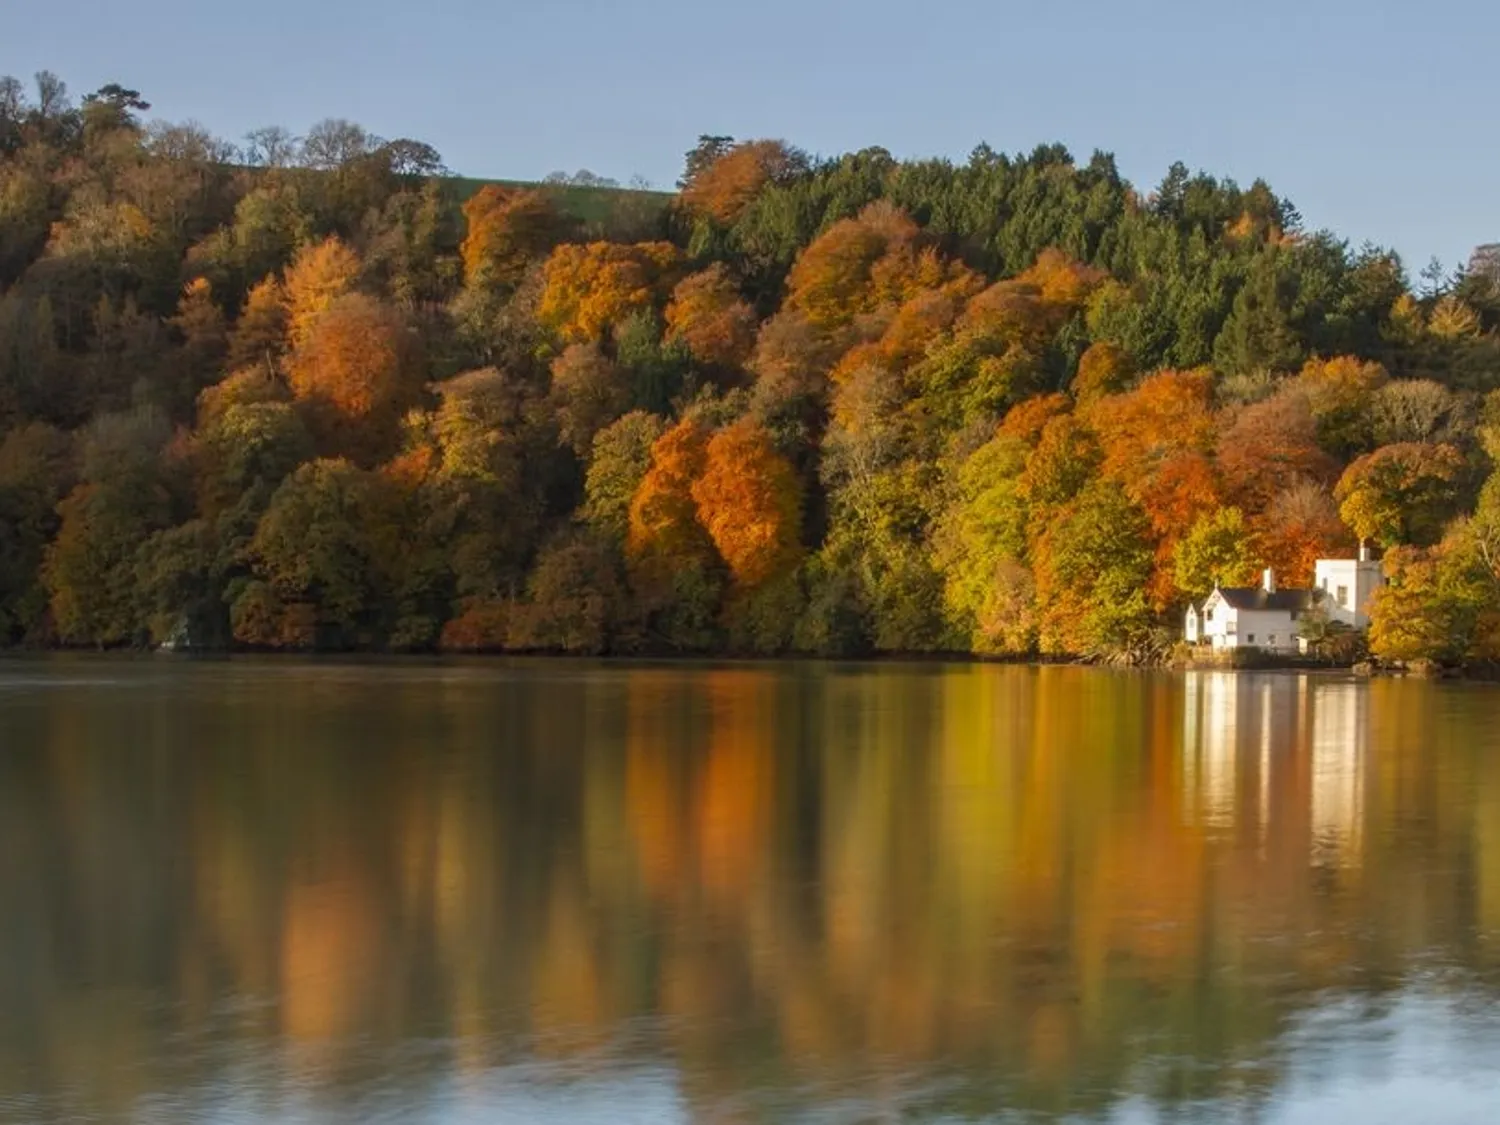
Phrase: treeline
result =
(315, 393)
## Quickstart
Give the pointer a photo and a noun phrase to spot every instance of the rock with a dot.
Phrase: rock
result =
(1364, 668)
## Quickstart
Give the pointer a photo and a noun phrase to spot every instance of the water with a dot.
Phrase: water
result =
(566, 892)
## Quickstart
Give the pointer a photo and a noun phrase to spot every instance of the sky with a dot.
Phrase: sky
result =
(1376, 118)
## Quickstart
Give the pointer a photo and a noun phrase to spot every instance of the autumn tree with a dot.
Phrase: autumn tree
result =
(724, 186)
(320, 274)
(589, 288)
(1219, 550)
(508, 229)
(710, 317)
(1339, 392)
(672, 561)
(1269, 443)
(358, 369)
(1401, 494)
(1299, 526)
(618, 461)
(750, 502)
(1092, 566)
(259, 335)
(313, 560)
(980, 545)
(588, 393)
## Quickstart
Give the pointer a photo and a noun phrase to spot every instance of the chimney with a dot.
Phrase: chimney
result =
(1364, 550)
(1268, 580)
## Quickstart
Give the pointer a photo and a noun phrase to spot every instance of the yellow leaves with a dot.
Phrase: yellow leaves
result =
(708, 314)
(1339, 382)
(1452, 319)
(1062, 281)
(1027, 419)
(1166, 413)
(318, 276)
(586, 289)
(1102, 370)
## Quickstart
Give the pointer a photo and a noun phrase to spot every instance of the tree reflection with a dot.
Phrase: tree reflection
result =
(927, 888)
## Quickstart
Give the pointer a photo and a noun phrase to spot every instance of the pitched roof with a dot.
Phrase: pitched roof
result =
(1257, 599)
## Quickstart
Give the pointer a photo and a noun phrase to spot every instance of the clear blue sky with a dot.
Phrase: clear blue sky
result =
(1377, 118)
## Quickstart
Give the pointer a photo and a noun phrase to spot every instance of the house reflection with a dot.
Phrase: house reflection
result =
(1277, 755)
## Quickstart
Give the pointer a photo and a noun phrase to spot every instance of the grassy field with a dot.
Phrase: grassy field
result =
(601, 206)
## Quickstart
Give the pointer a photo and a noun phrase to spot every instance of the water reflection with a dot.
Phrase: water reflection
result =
(569, 892)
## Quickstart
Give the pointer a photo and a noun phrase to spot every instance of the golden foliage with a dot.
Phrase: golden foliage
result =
(834, 278)
(586, 289)
(319, 275)
(1103, 369)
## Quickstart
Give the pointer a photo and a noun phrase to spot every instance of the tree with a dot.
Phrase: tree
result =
(313, 549)
(1268, 443)
(574, 598)
(1401, 494)
(710, 317)
(508, 229)
(1092, 567)
(588, 392)
(750, 501)
(702, 156)
(673, 566)
(358, 369)
(586, 289)
(1299, 526)
(1220, 550)
(979, 545)
(722, 182)
(36, 472)
(618, 461)
(319, 275)
(122, 499)
(1339, 392)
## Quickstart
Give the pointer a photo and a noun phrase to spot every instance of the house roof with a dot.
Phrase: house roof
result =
(1257, 599)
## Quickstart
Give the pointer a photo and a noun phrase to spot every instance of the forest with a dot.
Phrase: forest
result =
(319, 393)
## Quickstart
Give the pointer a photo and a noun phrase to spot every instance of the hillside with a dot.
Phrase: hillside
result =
(316, 394)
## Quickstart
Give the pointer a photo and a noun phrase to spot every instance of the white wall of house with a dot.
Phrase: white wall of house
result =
(1223, 626)
(1272, 630)
(1349, 584)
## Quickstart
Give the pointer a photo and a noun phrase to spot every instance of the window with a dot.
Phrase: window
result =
(1231, 629)
(1208, 615)
(1325, 581)
(1250, 640)
(1271, 640)
(1343, 596)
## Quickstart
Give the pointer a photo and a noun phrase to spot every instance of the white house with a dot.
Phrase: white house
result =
(1267, 618)
(1348, 585)
(1260, 617)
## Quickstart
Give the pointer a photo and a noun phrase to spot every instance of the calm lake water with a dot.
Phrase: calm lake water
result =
(568, 892)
